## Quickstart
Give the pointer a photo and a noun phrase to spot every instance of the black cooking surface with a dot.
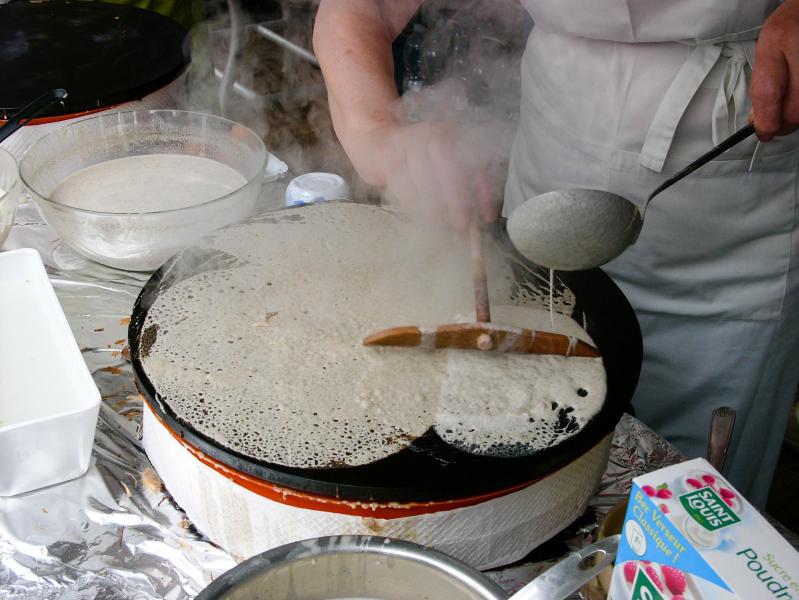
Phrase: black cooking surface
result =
(431, 469)
(102, 54)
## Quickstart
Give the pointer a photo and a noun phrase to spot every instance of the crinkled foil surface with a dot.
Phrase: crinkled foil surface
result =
(115, 532)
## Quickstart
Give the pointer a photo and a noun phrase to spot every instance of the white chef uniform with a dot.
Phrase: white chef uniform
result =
(617, 95)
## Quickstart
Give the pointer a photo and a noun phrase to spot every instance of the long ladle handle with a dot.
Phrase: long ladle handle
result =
(29, 111)
(731, 141)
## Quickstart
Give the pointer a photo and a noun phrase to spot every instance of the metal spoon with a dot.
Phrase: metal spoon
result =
(563, 579)
(571, 230)
(30, 110)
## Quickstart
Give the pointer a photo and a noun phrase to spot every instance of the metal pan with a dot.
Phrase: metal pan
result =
(372, 567)
(430, 470)
(350, 567)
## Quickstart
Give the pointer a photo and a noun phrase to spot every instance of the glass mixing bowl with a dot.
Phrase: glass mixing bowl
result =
(141, 235)
(9, 191)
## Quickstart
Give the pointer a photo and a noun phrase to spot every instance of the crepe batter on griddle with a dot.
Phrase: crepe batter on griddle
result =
(266, 357)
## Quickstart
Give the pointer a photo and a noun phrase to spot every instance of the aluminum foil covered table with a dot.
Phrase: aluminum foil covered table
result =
(115, 532)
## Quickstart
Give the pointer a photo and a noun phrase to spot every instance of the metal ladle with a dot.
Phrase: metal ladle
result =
(572, 230)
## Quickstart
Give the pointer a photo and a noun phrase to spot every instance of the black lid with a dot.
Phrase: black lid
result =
(102, 54)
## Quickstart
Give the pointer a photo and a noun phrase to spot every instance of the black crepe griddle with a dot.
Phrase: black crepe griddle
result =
(430, 469)
(102, 54)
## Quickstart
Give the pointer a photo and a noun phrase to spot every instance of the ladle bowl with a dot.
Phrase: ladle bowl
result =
(573, 230)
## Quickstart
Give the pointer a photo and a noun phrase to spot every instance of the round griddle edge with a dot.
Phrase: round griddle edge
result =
(431, 470)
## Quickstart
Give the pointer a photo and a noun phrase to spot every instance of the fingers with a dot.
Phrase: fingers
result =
(487, 204)
(486, 141)
(790, 107)
(775, 80)
(768, 89)
(453, 176)
(441, 177)
(431, 200)
(466, 185)
(401, 191)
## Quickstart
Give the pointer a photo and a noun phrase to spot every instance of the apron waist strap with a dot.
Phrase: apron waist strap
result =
(737, 50)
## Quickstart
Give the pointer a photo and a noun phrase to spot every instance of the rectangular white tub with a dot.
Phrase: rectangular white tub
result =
(48, 400)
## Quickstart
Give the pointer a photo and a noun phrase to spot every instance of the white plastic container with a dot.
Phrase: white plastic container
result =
(48, 400)
(246, 515)
(316, 187)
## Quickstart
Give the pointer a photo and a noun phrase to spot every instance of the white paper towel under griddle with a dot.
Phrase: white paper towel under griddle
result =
(490, 534)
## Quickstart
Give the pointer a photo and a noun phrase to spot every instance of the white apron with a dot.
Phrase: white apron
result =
(713, 277)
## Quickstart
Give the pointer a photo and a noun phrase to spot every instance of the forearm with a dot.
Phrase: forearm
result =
(352, 40)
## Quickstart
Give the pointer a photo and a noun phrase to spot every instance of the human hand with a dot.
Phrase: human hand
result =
(775, 79)
(436, 170)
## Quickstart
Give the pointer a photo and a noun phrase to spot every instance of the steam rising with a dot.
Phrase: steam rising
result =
(258, 343)
(275, 92)
(264, 352)
(462, 87)
(467, 77)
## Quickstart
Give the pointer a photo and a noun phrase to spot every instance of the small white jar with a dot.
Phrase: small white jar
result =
(317, 187)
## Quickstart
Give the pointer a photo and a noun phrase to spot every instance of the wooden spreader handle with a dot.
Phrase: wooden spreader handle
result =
(483, 336)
